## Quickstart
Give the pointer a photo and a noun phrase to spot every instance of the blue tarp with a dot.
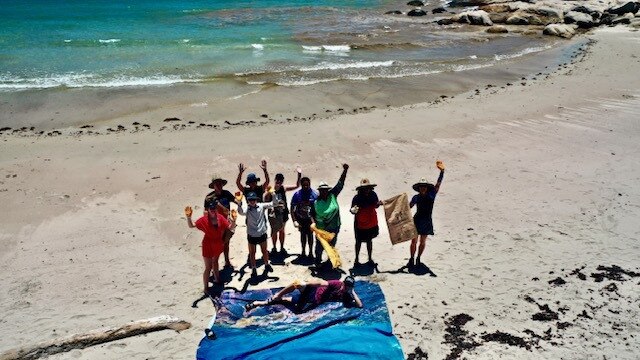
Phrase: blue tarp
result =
(275, 332)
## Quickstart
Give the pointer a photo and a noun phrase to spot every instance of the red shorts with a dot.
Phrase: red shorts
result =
(211, 249)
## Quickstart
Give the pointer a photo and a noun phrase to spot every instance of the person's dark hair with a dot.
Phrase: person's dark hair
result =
(305, 179)
(349, 281)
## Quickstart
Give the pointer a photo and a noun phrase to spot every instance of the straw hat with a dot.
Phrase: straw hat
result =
(364, 183)
(422, 182)
(324, 186)
(215, 178)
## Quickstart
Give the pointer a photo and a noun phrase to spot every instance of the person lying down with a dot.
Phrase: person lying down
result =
(313, 293)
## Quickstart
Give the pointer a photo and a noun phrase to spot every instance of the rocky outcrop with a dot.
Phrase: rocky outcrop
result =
(415, 3)
(417, 12)
(497, 29)
(630, 7)
(439, 10)
(562, 30)
(478, 17)
(584, 21)
(393, 12)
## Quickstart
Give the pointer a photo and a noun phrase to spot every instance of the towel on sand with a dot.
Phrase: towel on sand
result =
(329, 331)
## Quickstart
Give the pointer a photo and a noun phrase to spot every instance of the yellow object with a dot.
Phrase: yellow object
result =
(296, 284)
(188, 211)
(238, 196)
(440, 164)
(325, 237)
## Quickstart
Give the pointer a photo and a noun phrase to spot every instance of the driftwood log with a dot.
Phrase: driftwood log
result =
(95, 337)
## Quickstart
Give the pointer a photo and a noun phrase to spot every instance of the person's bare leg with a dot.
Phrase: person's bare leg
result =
(310, 242)
(216, 269)
(207, 271)
(274, 240)
(282, 234)
(358, 246)
(265, 256)
(252, 256)
(423, 240)
(277, 298)
(227, 262)
(412, 249)
(370, 249)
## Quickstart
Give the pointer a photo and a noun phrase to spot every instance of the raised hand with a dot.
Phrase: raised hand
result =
(345, 166)
(241, 168)
(238, 197)
(188, 211)
(299, 169)
(440, 165)
(234, 214)
(263, 164)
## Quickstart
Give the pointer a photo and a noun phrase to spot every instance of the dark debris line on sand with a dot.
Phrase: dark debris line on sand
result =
(461, 340)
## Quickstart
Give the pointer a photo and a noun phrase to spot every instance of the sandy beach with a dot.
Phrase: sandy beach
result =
(536, 247)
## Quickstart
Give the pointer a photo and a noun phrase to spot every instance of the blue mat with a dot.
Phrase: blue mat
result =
(275, 332)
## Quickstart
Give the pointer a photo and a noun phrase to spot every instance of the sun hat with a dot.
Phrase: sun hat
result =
(349, 281)
(364, 183)
(215, 178)
(324, 186)
(252, 196)
(422, 182)
(251, 177)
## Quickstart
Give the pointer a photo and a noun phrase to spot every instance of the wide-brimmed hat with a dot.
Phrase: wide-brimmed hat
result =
(252, 196)
(215, 178)
(324, 186)
(365, 183)
(422, 182)
(251, 177)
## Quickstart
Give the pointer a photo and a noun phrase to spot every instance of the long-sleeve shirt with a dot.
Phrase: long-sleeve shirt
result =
(256, 217)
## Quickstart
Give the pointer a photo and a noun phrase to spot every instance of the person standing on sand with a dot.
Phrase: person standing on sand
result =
(313, 293)
(257, 229)
(279, 215)
(224, 199)
(213, 225)
(252, 181)
(365, 222)
(424, 207)
(326, 211)
(301, 208)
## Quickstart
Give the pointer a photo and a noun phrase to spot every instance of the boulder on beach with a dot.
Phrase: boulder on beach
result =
(582, 9)
(497, 29)
(438, 10)
(477, 17)
(562, 30)
(532, 17)
(583, 20)
(415, 3)
(417, 12)
(623, 20)
(607, 19)
(630, 7)
(393, 12)
(462, 3)
(499, 18)
(445, 21)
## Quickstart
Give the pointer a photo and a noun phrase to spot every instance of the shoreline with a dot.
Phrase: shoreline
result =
(540, 182)
(223, 103)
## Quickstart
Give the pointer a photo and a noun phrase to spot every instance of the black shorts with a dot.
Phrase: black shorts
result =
(366, 234)
(256, 240)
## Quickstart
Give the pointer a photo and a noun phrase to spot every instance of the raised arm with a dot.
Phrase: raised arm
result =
(263, 166)
(338, 188)
(241, 170)
(188, 211)
(289, 188)
(440, 166)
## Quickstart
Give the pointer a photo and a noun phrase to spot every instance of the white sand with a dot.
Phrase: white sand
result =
(541, 180)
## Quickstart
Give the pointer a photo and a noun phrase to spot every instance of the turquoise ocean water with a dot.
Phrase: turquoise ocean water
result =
(119, 43)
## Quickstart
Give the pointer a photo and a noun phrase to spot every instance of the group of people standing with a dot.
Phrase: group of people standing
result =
(309, 208)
